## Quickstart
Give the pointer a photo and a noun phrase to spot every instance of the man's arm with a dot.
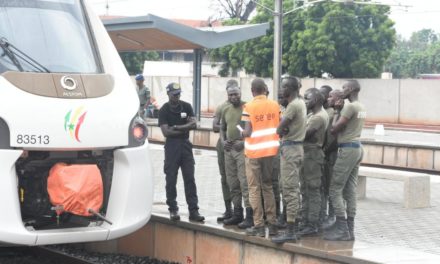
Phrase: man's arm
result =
(283, 127)
(247, 132)
(168, 131)
(227, 145)
(216, 124)
(312, 129)
(190, 125)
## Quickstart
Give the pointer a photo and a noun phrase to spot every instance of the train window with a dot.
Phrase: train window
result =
(54, 34)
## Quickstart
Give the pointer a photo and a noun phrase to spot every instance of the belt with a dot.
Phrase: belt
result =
(349, 145)
(290, 142)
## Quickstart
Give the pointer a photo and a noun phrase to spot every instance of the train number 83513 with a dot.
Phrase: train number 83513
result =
(33, 139)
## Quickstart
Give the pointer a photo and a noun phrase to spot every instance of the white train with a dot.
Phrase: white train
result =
(65, 97)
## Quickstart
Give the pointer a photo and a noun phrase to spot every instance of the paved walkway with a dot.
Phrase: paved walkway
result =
(381, 219)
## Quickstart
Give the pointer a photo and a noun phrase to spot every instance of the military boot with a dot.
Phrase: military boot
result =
(196, 216)
(350, 224)
(288, 235)
(308, 229)
(328, 222)
(256, 231)
(281, 219)
(339, 232)
(236, 218)
(273, 230)
(228, 212)
(249, 220)
(174, 215)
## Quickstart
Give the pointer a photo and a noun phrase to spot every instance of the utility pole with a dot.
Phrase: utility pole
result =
(277, 46)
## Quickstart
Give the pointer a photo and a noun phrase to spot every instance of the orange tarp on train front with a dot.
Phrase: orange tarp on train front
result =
(77, 188)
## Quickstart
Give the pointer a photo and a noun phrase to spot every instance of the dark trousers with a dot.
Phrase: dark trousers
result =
(178, 154)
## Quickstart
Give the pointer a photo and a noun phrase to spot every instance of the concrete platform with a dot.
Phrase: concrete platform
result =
(381, 217)
(210, 242)
(386, 231)
(306, 250)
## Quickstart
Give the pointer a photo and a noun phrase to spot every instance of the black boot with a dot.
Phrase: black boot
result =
(350, 224)
(288, 235)
(236, 218)
(339, 232)
(249, 220)
(281, 219)
(228, 212)
(195, 216)
(309, 229)
(328, 222)
(256, 231)
(174, 215)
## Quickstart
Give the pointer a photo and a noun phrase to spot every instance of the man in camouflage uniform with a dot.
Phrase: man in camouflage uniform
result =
(347, 125)
(221, 156)
(292, 129)
(233, 146)
(330, 149)
(310, 177)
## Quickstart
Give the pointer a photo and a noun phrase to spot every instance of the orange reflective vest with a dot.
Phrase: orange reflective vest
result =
(264, 115)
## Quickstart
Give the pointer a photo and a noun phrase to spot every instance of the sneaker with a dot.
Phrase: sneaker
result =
(196, 217)
(174, 216)
(256, 231)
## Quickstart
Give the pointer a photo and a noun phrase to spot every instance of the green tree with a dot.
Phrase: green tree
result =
(347, 41)
(134, 61)
(419, 54)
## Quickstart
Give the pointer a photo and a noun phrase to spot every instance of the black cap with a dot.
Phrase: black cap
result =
(173, 88)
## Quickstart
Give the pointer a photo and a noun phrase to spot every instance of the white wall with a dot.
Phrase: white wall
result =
(387, 101)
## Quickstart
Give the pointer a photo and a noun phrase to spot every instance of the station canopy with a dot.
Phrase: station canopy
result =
(151, 32)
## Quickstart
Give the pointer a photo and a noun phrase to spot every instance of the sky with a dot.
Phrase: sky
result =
(419, 15)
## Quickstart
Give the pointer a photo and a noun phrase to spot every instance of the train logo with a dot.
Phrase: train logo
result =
(73, 121)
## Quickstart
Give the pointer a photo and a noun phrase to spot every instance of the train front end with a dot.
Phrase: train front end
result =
(66, 99)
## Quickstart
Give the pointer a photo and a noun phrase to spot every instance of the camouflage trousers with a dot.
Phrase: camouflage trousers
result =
(221, 167)
(236, 177)
(310, 179)
(344, 181)
(291, 163)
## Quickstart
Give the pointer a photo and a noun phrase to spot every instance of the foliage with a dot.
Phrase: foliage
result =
(134, 61)
(420, 54)
(347, 41)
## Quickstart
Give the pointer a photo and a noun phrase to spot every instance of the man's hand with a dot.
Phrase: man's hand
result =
(238, 145)
(227, 145)
(339, 104)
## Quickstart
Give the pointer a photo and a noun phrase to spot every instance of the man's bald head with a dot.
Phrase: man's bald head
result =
(354, 85)
(258, 86)
(291, 83)
(334, 96)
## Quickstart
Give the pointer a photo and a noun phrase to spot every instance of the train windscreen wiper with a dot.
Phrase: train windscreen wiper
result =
(13, 53)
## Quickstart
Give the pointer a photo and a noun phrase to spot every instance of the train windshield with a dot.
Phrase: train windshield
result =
(45, 36)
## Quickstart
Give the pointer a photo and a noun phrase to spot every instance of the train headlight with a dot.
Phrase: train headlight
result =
(137, 132)
(140, 132)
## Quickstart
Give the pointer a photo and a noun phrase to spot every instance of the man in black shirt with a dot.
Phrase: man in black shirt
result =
(176, 119)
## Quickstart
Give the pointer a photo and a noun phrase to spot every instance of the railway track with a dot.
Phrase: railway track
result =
(38, 255)
(69, 254)
(59, 256)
